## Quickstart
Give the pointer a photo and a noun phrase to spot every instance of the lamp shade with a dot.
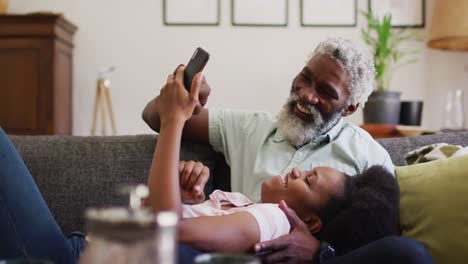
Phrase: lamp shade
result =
(449, 25)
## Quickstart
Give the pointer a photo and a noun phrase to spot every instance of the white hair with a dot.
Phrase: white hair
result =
(357, 61)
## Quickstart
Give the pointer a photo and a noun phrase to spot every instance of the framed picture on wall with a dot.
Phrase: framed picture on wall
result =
(328, 13)
(259, 13)
(405, 13)
(191, 12)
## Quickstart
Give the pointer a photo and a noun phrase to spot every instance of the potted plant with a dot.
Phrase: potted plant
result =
(385, 42)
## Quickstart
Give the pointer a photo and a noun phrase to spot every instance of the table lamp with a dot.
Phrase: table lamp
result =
(449, 31)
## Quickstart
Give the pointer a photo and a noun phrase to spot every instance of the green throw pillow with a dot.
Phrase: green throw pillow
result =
(434, 207)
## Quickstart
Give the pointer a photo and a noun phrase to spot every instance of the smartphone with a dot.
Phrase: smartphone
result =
(196, 64)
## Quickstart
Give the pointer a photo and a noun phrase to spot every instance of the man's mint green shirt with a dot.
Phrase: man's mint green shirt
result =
(256, 150)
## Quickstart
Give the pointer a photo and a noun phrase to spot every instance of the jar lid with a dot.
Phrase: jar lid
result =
(121, 224)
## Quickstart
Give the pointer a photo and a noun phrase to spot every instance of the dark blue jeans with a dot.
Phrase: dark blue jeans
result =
(28, 229)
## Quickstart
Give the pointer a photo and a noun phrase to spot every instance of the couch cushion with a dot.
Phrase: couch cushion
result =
(398, 147)
(74, 173)
(433, 200)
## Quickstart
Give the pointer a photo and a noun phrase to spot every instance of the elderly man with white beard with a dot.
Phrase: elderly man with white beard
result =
(308, 132)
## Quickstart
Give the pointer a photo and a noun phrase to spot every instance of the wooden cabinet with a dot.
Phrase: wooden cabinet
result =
(36, 74)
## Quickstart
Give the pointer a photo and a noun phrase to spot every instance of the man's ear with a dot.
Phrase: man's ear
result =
(314, 224)
(350, 109)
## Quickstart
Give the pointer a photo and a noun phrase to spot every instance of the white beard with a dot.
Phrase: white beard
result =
(298, 132)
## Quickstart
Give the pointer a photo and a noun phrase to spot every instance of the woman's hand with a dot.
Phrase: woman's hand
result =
(174, 103)
(193, 177)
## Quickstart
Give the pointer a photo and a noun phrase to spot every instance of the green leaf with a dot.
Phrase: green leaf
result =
(385, 42)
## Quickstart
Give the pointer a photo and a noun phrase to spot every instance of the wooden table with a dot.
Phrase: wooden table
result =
(382, 130)
(391, 130)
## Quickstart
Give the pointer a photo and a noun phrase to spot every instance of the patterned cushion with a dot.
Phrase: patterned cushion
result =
(434, 152)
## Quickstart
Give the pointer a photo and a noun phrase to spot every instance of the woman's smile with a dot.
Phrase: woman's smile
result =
(284, 179)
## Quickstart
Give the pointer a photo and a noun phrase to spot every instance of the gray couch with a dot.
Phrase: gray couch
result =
(78, 172)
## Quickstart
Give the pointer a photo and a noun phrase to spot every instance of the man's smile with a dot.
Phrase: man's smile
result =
(303, 112)
(303, 109)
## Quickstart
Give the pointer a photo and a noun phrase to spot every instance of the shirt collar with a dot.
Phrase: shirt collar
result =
(331, 135)
(335, 130)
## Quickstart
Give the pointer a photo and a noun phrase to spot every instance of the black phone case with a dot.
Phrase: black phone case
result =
(196, 64)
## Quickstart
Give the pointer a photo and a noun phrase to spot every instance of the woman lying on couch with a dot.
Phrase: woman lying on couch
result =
(329, 203)
(347, 212)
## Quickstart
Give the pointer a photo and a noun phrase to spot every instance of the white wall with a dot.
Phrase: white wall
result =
(249, 68)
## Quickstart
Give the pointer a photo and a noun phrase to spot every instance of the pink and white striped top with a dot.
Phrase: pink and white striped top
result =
(272, 222)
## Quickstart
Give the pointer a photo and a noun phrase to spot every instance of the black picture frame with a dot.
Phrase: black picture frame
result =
(194, 23)
(304, 24)
(419, 24)
(236, 23)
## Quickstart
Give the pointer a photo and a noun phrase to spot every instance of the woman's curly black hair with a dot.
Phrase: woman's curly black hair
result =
(368, 209)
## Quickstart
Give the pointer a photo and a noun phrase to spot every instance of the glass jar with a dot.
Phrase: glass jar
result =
(119, 235)
(130, 235)
(453, 118)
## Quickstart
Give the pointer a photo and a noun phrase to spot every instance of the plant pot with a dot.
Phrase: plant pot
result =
(3, 6)
(411, 113)
(382, 108)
